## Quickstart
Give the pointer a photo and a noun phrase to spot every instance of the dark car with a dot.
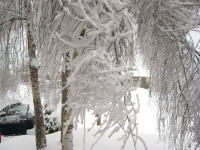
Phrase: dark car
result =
(15, 118)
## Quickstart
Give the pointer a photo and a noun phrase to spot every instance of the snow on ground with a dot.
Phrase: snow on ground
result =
(147, 130)
(27, 142)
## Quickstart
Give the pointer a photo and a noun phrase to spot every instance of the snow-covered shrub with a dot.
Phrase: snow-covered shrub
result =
(51, 122)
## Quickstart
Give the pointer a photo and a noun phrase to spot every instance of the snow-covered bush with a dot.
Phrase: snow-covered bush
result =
(51, 122)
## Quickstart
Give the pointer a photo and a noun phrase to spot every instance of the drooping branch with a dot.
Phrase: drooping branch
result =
(173, 63)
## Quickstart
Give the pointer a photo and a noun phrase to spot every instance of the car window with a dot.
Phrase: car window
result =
(19, 110)
(8, 103)
(7, 108)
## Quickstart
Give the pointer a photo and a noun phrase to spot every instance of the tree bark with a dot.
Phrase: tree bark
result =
(66, 138)
(39, 119)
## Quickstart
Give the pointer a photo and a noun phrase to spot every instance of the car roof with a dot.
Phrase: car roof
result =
(8, 102)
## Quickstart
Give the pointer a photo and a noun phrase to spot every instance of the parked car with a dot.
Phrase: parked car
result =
(15, 118)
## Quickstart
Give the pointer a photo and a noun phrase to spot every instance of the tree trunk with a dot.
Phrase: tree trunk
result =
(39, 120)
(66, 138)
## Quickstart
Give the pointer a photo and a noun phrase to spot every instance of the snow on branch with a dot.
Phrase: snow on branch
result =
(66, 25)
(102, 33)
(99, 85)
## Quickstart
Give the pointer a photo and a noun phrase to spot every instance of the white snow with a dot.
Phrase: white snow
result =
(34, 63)
(27, 142)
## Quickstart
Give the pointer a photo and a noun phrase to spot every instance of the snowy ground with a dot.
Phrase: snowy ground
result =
(27, 142)
(147, 130)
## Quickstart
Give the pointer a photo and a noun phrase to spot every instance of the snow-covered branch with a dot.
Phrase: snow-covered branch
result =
(98, 85)
(173, 63)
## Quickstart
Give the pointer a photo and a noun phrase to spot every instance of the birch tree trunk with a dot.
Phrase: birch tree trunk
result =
(66, 138)
(39, 120)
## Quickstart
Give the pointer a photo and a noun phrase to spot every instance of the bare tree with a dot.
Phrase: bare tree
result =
(67, 136)
(39, 119)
